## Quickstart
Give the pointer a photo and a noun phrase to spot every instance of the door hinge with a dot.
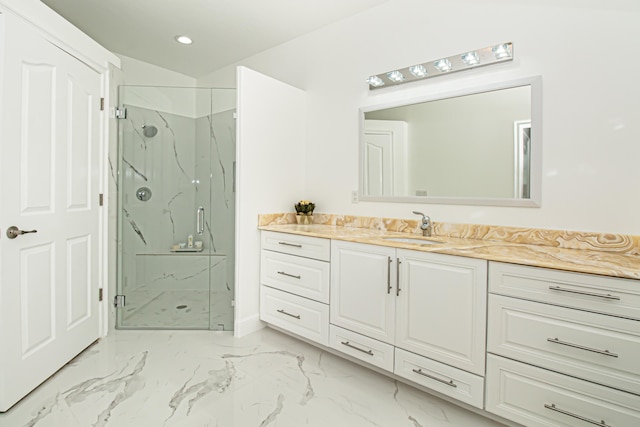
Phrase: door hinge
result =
(121, 113)
(101, 199)
(118, 301)
(101, 104)
(100, 294)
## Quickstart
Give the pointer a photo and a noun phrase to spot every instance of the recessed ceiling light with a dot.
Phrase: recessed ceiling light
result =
(184, 39)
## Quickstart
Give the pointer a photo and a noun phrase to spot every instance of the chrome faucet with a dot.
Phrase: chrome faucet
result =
(426, 224)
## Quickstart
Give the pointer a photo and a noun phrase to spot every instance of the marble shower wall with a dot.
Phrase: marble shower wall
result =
(164, 163)
(188, 162)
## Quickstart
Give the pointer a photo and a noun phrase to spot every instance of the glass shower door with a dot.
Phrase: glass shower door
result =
(175, 262)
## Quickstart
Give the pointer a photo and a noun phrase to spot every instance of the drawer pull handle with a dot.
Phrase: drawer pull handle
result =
(581, 347)
(348, 344)
(290, 244)
(389, 275)
(591, 294)
(581, 418)
(424, 374)
(297, 316)
(288, 275)
(398, 262)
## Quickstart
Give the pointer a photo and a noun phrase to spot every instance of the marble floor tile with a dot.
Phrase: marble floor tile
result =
(209, 379)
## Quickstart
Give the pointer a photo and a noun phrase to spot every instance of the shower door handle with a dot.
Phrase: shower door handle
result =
(200, 220)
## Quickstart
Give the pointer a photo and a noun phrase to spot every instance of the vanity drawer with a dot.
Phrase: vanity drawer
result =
(301, 316)
(536, 397)
(310, 247)
(595, 347)
(445, 379)
(608, 295)
(302, 276)
(363, 348)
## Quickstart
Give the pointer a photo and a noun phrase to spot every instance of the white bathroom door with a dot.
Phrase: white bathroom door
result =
(49, 181)
(385, 146)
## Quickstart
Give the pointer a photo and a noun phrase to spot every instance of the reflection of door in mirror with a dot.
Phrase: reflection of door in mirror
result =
(384, 151)
(522, 160)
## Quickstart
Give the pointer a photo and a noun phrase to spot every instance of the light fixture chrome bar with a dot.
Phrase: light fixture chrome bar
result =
(464, 61)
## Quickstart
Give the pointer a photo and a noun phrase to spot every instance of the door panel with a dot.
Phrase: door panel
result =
(48, 279)
(37, 298)
(37, 137)
(79, 151)
(78, 280)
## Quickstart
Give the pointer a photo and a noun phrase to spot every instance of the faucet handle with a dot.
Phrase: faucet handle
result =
(425, 218)
(426, 224)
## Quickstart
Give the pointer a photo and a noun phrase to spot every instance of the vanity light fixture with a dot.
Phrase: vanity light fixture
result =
(443, 65)
(502, 50)
(375, 81)
(418, 71)
(470, 58)
(184, 39)
(395, 76)
(465, 61)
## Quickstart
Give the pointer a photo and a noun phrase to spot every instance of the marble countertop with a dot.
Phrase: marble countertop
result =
(592, 261)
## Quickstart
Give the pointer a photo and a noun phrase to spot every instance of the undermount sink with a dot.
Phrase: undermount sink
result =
(413, 240)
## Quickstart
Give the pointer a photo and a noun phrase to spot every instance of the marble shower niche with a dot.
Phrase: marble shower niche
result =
(174, 158)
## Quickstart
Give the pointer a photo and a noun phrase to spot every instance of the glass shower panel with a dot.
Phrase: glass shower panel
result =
(176, 208)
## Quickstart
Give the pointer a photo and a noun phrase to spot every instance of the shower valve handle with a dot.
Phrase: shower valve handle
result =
(200, 220)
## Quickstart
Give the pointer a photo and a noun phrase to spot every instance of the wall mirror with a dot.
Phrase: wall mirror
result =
(477, 146)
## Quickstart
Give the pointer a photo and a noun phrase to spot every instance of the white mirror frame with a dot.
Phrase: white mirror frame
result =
(536, 147)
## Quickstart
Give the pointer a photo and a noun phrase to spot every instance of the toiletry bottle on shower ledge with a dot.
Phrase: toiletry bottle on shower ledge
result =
(190, 241)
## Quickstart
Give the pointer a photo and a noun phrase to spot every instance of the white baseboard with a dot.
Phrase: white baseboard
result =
(248, 325)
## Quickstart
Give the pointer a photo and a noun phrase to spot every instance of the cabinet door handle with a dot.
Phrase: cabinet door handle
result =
(288, 275)
(591, 294)
(581, 347)
(581, 418)
(450, 383)
(398, 262)
(297, 316)
(389, 275)
(348, 344)
(290, 244)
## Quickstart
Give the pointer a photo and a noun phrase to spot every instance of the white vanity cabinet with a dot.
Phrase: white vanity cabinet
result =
(563, 347)
(363, 289)
(420, 315)
(294, 278)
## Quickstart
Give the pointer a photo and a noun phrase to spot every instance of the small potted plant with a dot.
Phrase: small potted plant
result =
(304, 212)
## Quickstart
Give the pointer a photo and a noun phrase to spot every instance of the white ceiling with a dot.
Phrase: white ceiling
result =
(224, 31)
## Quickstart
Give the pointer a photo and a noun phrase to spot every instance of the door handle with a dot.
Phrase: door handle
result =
(200, 220)
(13, 232)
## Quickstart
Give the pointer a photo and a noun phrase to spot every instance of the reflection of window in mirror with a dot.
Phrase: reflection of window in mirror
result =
(522, 158)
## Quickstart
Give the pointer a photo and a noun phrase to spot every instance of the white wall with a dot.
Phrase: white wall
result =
(270, 175)
(583, 49)
(142, 73)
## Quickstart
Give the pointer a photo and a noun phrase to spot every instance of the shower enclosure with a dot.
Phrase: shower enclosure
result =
(176, 208)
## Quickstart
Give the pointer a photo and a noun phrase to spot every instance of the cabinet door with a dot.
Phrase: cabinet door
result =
(363, 279)
(441, 308)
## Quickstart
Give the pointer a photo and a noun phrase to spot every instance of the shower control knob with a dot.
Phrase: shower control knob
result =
(143, 194)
